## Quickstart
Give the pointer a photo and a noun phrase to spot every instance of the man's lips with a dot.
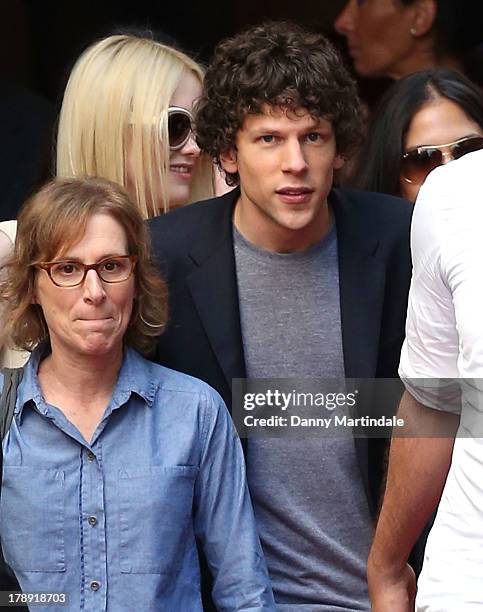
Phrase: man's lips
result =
(295, 195)
(294, 190)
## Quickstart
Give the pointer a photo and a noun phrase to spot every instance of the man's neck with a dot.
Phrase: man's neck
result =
(263, 232)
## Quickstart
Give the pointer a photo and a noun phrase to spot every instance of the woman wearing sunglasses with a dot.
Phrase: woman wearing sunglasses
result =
(127, 116)
(426, 119)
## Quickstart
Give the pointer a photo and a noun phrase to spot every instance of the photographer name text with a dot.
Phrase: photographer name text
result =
(322, 422)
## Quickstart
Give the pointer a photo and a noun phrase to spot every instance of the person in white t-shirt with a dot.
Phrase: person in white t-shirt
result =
(442, 368)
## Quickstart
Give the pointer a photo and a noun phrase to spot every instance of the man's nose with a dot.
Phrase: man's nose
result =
(293, 158)
(344, 24)
(94, 292)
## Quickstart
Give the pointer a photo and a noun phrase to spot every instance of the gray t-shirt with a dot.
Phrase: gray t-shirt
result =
(309, 500)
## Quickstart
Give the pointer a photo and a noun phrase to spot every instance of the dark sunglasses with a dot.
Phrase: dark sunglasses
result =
(180, 127)
(417, 163)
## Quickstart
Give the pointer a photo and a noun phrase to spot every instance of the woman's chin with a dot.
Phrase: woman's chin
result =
(98, 346)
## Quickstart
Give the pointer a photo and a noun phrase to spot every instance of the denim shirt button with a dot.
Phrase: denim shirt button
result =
(92, 520)
(95, 586)
(90, 455)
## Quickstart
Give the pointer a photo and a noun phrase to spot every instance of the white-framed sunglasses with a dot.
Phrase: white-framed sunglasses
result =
(180, 127)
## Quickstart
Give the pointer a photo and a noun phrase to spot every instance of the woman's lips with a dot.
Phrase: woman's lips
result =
(96, 321)
(183, 171)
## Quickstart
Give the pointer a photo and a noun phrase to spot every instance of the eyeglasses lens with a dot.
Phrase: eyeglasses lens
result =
(179, 128)
(66, 274)
(469, 145)
(115, 270)
(418, 164)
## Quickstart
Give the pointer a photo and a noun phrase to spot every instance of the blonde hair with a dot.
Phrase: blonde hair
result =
(117, 93)
(53, 220)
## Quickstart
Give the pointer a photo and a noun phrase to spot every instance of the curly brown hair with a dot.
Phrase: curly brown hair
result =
(53, 220)
(276, 64)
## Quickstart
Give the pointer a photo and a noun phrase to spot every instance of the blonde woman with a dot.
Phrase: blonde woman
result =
(127, 116)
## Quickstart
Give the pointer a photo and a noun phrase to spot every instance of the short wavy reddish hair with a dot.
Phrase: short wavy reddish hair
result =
(53, 220)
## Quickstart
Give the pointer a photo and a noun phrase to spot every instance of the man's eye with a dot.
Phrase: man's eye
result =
(314, 137)
(267, 138)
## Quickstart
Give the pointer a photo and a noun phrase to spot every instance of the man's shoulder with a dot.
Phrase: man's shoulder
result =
(196, 230)
(203, 216)
(370, 202)
(379, 214)
(190, 212)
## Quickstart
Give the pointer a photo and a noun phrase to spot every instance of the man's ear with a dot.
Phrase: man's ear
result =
(424, 16)
(229, 161)
(339, 161)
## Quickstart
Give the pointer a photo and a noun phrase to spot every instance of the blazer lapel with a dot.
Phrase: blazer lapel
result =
(361, 286)
(213, 287)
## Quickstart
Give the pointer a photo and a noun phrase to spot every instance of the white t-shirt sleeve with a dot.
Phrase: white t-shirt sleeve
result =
(444, 331)
(429, 357)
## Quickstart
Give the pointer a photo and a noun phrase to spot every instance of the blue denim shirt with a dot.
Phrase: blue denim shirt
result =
(113, 522)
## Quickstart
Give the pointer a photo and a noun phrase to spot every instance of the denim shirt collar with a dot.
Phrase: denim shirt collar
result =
(135, 376)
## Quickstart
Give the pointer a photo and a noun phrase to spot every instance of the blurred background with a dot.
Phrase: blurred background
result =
(41, 39)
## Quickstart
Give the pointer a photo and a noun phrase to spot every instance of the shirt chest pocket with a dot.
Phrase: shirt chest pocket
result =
(32, 519)
(155, 517)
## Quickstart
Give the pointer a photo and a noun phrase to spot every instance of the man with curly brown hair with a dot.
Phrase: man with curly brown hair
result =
(287, 277)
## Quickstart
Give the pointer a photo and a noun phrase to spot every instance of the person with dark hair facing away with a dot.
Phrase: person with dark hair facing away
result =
(286, 277)
(427, 119)
(394, 38)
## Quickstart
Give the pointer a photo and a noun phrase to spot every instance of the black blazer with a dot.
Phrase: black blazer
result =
(194, 248)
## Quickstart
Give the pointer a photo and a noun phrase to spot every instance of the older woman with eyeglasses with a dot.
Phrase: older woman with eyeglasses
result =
(113, 467)
(127, 116)
(426, 119)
